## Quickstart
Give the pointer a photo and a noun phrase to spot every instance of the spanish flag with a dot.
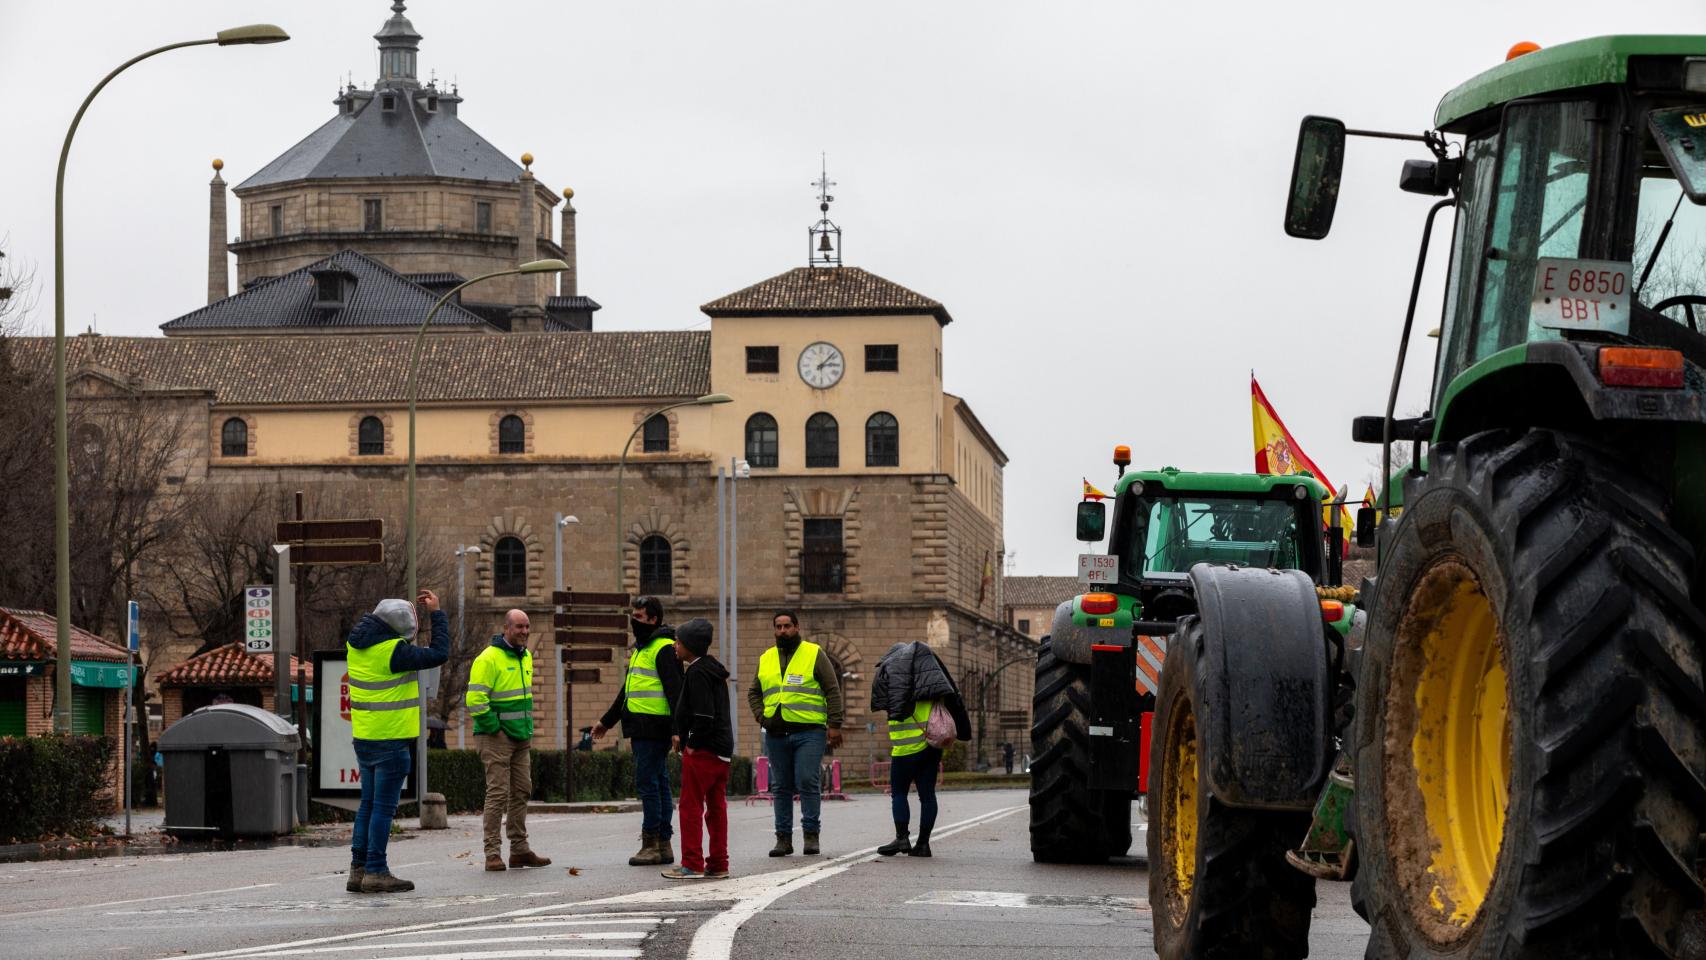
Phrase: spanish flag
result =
(1368, 498)
(1091, 493)
(1278, 453)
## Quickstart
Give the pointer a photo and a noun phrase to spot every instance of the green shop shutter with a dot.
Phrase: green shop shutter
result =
(89, 710)
(12, 707)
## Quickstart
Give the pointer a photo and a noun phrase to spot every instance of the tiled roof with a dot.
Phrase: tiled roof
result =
(377, 297)
(374, 368)
(230, 665)
(1039, 591)
(825, 292)
(443, 278)
(409, 141)
(31, 635)
(571, 303)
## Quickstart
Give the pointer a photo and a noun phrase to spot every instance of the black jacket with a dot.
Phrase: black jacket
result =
(910, 672)
(648, 726)
(702, 715)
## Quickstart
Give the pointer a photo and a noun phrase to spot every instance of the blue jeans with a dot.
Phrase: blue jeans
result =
(383, 764)
(651, 782)
(796, 767)
(915, 769)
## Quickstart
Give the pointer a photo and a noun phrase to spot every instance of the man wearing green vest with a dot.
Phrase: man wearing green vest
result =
(500, 699)
(796, 699)
(383, 665)
(645, 703)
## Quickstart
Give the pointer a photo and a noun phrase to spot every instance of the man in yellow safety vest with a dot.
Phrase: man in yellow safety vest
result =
(383, 666)
(796, 699)
(500, 699)
(644, 706)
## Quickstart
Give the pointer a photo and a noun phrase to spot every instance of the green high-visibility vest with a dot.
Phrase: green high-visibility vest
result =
(500, 693)
(797, 693)
(383, 705)
(907, 736)
(644, 688)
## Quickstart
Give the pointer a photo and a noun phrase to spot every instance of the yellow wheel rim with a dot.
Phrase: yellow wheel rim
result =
(1460, 750)
(1180, 840)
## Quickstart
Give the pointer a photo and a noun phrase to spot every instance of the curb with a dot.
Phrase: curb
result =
(597, 806)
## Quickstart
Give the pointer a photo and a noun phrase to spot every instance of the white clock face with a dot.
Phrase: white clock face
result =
(821, 365)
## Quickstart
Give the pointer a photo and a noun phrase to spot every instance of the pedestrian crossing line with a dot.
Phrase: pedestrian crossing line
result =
(602, 935)
(529, 954)
(523, 923)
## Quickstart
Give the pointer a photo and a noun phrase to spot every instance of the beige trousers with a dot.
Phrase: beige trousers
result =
(509, 784)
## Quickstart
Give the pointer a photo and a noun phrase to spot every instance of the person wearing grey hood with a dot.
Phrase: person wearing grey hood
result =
(383, 664)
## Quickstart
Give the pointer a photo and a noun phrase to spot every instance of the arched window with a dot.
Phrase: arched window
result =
(882, 441)
(656, 571)
(509, 568)
(512, 435)
(370, 437)
(761, 440)
(656, 435)
(234, 438)
(823, 441)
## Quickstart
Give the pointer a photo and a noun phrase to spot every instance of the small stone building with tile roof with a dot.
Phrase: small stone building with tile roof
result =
(229, 671)
(29, 666)
(1030, 602)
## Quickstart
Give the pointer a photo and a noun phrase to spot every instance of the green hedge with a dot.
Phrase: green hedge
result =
(599, 775)
(48, 785)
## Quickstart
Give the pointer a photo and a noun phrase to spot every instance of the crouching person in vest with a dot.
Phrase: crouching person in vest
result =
(383, 663)
(500, 699)
(796, 699)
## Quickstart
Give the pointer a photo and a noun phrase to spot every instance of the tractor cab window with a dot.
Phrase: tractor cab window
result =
(1675, 283)
(1469, 238)
(1539, 207)
(1180, 533)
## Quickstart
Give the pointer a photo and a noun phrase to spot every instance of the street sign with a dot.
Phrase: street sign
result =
(336, 554)
(595, 621)
(578, 598)
(324, 531)
(583, 676)
(589, 655)
(133, 624)
(1098, 569)
(258, 620)
(600, 618)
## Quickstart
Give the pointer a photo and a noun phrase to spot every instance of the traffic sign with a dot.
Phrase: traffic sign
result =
(258, 618)
(600, 618)
(336, 554)
(589, 655)
(133, 624)
(324, 531)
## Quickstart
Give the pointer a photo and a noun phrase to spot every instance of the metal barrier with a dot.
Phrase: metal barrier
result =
(880, 774)
(830, 781)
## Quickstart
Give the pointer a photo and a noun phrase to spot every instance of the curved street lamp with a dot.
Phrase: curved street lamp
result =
(253, 33)
(535, 266)
(622, 465)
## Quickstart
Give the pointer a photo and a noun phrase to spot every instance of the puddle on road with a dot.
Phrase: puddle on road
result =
(1003, 899)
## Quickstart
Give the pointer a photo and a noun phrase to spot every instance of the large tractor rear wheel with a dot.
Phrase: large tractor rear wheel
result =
(1219, 885)
(1070, 823)
(1530, 747)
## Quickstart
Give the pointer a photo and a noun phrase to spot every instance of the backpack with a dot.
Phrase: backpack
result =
(939, 729)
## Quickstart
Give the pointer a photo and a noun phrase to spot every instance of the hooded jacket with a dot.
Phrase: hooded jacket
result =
(405, 657)
(702, 714)
(649, 726)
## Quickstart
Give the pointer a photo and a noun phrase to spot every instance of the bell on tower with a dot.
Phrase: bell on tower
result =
(824, 250)
(398, 45)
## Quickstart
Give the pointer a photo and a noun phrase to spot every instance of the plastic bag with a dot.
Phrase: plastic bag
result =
(939, 730)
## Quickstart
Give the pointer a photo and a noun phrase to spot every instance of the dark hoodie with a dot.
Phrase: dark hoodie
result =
(405, 656)
(647, 726)
(702, 716)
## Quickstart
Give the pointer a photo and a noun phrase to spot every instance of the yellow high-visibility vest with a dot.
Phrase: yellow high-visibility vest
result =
(797, 693)
(906, 737)
(383, 705)
(500, 693)
(643, 687)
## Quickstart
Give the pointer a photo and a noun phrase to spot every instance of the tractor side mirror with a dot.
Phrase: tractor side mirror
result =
(1092, 520)
(1365, 526)
(1315, 178)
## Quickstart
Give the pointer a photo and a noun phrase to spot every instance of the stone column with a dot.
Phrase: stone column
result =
(218, 268)
(570, 283)
(529, 314)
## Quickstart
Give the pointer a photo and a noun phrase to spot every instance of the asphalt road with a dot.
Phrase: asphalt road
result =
(979, 898)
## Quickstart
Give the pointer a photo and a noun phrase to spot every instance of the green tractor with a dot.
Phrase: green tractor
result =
(1179, 541)
(1522, 770)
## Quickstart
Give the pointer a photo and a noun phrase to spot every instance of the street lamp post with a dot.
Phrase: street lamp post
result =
(254, 33)
(622, 465)
(566, 721)
(461, 616)
(536, 266)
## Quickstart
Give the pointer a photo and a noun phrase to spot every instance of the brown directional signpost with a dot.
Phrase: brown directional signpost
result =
(599, 621)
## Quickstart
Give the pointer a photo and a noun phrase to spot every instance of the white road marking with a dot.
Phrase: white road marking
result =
(715, 938)
(523, 923)
(415, 944)
(1006, 900)
(116, 903)
(509, 954)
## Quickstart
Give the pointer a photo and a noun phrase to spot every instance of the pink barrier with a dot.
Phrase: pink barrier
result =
(831, 778)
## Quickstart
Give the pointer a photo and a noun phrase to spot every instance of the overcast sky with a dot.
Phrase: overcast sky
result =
(1094, 190)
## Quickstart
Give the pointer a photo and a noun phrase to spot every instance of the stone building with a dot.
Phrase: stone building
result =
(1031, 602)
(874, 502)
(28, 665)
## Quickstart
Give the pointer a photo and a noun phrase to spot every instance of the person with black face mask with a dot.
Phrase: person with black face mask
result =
(648, 696)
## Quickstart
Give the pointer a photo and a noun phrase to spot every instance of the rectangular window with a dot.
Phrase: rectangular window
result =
(1025, 627)
(482, 217)
(373, 215)
(882, 357)
(823, 562)
(276, 213)
(328, 289)
(763, 359)
(388, 102)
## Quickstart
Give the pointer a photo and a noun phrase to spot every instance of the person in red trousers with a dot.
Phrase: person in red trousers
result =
(706, 740)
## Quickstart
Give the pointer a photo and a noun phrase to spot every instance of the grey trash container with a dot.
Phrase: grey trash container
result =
(230, 771)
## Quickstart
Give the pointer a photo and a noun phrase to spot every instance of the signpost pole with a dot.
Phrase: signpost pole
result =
(133, 622)
(284, 627)
(565, 692)
(732, 663)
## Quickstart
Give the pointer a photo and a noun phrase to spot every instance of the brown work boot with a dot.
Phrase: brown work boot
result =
(811, 847)
(527, 858)
(356, 872)
(784, 845)
(648, 855)
(384, 883)
(495, 862)
(666, 850)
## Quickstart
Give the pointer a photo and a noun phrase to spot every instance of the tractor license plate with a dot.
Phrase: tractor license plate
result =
(1574, 294)
(1095, 569)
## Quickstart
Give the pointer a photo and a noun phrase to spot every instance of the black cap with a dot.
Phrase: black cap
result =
(695, 635)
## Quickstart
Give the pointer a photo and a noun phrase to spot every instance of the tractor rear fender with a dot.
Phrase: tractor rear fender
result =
(1073, 633)
(1264, 692)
